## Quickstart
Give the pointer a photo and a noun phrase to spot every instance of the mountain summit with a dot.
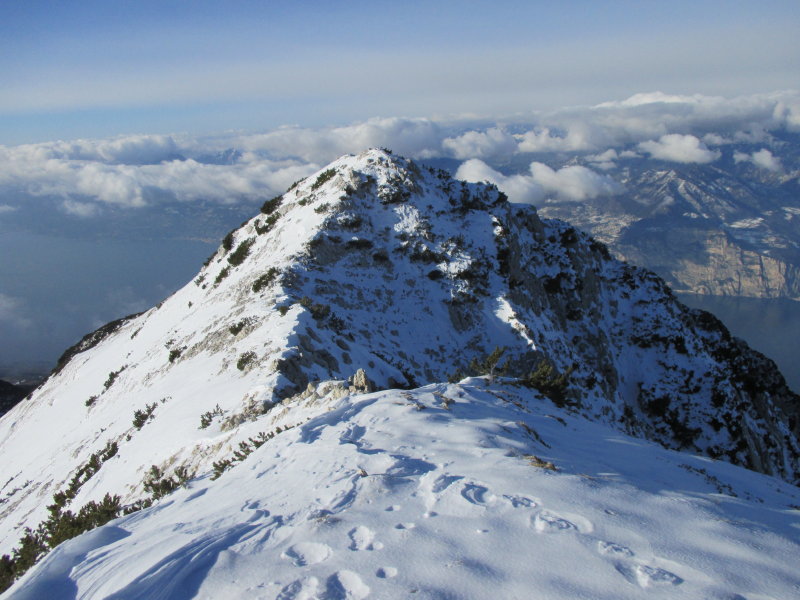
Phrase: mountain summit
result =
(377, 273)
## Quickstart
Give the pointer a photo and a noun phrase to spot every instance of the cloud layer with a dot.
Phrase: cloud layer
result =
(134, 171)
(572, 183)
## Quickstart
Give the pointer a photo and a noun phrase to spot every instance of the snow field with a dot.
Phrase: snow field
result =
(392, 495)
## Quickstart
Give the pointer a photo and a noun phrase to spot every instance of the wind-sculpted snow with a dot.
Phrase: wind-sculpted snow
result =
(375, 273)
(432, 493)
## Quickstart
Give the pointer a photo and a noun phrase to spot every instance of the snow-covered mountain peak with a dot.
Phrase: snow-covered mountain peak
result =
(379, 273)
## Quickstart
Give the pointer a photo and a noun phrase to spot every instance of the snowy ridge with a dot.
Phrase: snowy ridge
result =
(375, 263)
(446, 492)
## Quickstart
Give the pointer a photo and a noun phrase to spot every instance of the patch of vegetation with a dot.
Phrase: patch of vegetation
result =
(208, 417)
(271, 205)
(141, 417)
(112, 377)
(242, 250)
(265, 279)
(245, 359)
(318, 311)
(325, 176)
(267, 225)
(283, 309)
(227, 241)
(59, 527)
(535, 461)
(322, 208)
(158, 485)
(90, 401)
(546, 379)
(175, 354)
(222, 274)
(490, 364)
(245, 449)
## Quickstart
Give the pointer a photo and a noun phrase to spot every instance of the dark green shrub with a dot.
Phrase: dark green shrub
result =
(489, 365)
(220, 467)
(323, 177)
(112, 377)
(546, 379)
(90, 401)
(158, 485)
(242, 250)
(227, 241)
(59, 527)
(174, 354)
(267, 225)
(140, 417)
(245, 359)
(271, 205)
(222, 275)
(322, 208)
(208, 417)
(265, 279)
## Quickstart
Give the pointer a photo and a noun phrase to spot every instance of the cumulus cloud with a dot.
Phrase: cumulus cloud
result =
(762, 158)
(481, 144)
(604, 160)
(409, 137)
(82, 175)
(6, 208)
(675, 147)
(138, 170)
(573, 183)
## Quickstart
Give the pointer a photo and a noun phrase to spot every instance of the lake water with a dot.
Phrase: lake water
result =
(770, 326)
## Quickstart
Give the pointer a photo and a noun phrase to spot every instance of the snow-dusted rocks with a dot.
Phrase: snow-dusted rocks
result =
(375, 271)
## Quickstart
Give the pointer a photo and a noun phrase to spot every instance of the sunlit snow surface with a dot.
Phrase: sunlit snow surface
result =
(432, 494)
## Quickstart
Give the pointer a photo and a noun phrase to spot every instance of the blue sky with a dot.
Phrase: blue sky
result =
(100, 68)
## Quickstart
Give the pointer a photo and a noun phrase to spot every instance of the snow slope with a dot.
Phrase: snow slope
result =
(376, 263)
(433, 493)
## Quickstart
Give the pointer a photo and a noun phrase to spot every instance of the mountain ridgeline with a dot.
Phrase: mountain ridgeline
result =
(376, 263)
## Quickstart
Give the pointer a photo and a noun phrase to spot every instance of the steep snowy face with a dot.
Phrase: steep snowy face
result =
(376, 263)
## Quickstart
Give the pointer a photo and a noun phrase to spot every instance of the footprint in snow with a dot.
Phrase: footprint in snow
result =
(345, 585)
(612, 549)
(548, 523)
(476, 494)
(520, 501)
(443, 482)
(301, 589)
(646, 576)
(307, 553)
(386, 573)
(363, 538)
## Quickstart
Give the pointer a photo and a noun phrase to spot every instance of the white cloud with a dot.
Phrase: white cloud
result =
(137, 170)
(572, 183)
(409, 137)
(762, 158)
(675, 147)
(6, 208)
(519, 188)
(11, 312)
(481, 144)
(604, 160)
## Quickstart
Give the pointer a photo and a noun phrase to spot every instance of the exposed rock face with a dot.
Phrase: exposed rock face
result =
(11, 394)
(728, 229)
(376, 265)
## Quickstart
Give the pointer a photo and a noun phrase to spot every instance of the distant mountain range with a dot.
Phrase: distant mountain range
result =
(730, 227)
